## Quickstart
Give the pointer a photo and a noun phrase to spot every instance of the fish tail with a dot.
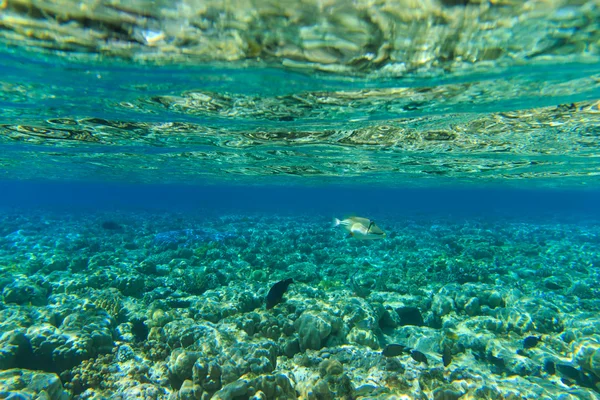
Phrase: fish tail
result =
(335, 222)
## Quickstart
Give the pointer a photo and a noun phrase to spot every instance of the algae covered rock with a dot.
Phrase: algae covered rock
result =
(587, 354)
(89, 333)
(181, 363)
(262, 387)
(24, 292)
(26, 384)
(237, 389)
(277, 386)
(363, 337)
(44, 341)
(313, 330)
(13, 346)
(442, 305)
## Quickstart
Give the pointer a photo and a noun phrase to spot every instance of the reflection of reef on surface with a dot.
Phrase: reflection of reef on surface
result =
(534, 143)
(387, 38)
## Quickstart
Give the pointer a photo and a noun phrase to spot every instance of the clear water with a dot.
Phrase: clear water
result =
(153, 191)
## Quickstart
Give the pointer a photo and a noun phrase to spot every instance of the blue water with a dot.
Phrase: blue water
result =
(214, 199)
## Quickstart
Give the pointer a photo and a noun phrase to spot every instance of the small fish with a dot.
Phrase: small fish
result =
(447, 356)
(531, 341)
(450, 334)
(112, 226)
(393, 350)
(418, 356)
(276, 292)
(360, 228)
(549, 367)
(568, 371)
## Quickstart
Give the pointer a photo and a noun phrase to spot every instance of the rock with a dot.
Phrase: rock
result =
(495, 300)
(274, 387)
(448, 392)
(23, 383)
(13, 345)
(232, 390)
(410, 316)
(441, 305)
(330, 367)
(389, 319)
(189, 391)
(56, 263)
(44, 341)
(313, 330)
(473, 306)
(291, 347)
(304, 272)
(124, 353)
(587, 354)
(24, 292)
(86, 334)
(207, 374)
(523, 366)
(131, 285)
(363, 337)
(181, 363)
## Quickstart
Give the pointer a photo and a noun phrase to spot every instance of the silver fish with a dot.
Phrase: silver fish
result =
(360, 228)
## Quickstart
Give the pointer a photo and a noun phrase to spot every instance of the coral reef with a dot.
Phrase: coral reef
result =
(188, 319)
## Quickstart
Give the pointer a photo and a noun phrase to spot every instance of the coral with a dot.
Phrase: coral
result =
(22, 291)
(111, 301)
(129, 320)
(14, 348)
(313, 330)
(587, 354)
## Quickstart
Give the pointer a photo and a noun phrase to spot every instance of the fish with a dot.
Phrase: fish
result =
(568, 371)
(531, 341)
(112, 226)
(393, 350)
(447, 356)
(549, 367)
(277, 291)
(360, 228)
(418, 356)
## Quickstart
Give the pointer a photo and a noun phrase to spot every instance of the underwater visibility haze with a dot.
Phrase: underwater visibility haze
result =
(384, 199)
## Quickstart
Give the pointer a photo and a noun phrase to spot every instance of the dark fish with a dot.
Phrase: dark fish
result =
(447, 356)
(418, 356)
(549, 367)
(568, 371)
(393, 350)
(111, 226)
(531, 341)
(276, 292)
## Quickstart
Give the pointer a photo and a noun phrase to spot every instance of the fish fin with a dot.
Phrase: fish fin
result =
(335, 222)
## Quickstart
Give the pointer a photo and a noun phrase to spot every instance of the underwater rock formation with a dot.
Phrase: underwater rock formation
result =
(112, 329)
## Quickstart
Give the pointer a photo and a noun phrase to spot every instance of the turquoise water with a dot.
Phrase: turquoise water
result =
(163, 166)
